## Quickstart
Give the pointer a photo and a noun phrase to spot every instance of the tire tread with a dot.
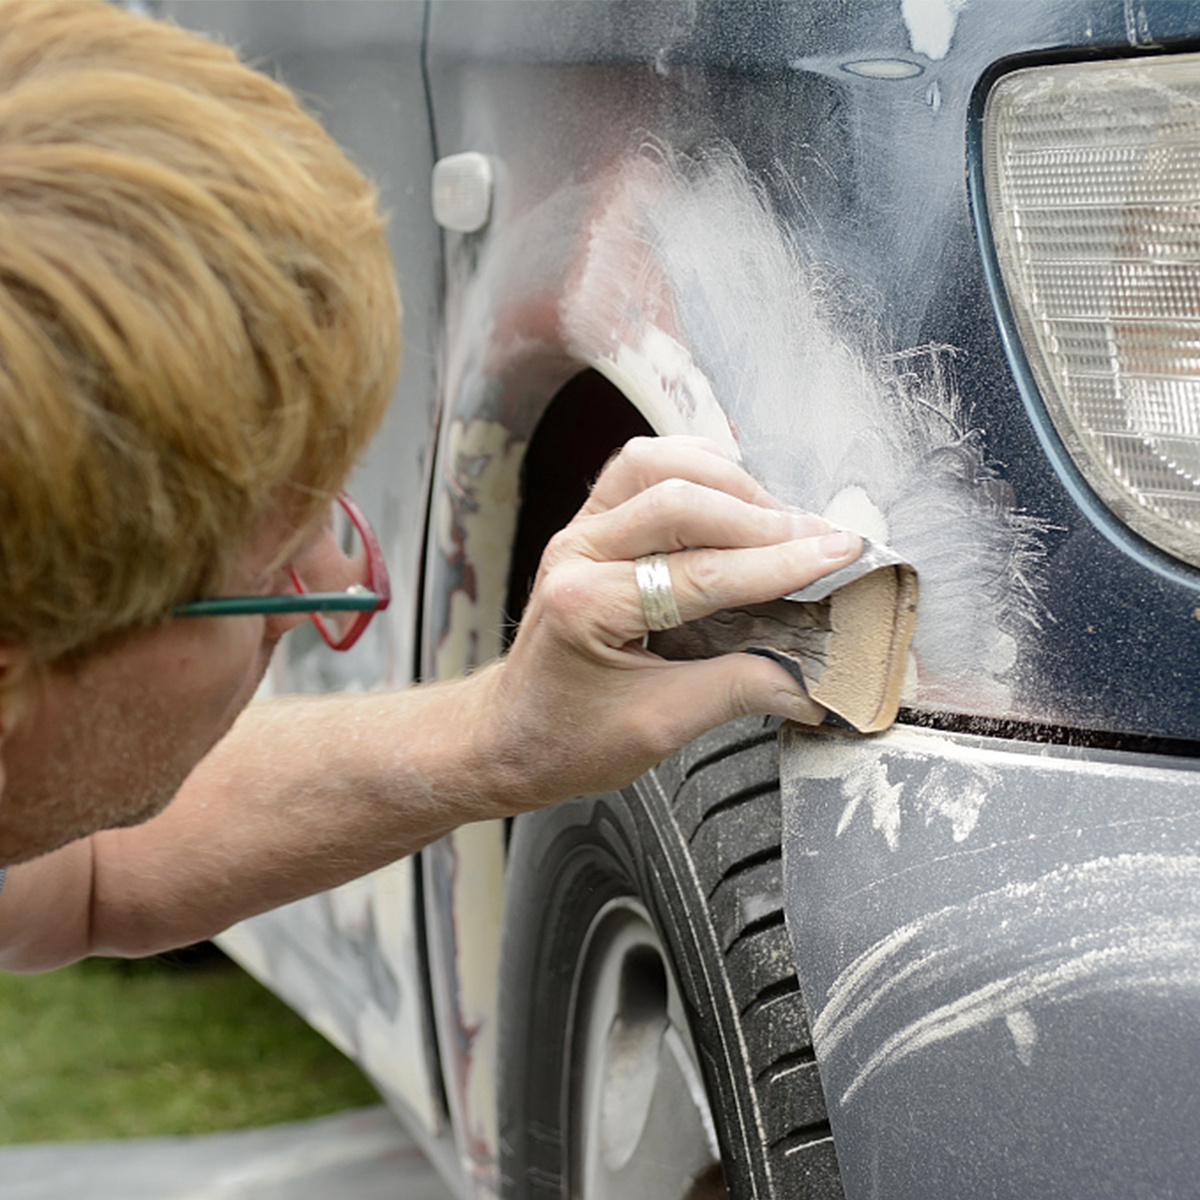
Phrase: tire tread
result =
(727, 804)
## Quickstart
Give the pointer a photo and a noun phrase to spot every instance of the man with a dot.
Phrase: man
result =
(198, 335)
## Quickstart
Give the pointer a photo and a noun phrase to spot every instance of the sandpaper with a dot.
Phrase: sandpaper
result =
(844, 638)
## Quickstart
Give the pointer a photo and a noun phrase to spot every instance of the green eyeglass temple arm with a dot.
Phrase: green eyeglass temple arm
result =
(356, 600)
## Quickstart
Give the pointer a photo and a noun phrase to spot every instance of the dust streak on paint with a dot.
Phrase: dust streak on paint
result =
(831, 418)
(930, 980)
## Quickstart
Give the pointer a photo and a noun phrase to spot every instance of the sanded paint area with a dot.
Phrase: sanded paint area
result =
(998, 945)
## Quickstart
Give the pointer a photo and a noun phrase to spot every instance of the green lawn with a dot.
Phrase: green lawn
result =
(110, 1049)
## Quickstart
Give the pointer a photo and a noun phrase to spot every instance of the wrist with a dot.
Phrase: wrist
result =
(503, 756)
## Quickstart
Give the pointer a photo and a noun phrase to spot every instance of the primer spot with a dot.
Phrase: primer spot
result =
(853, 509)
(1024, 1034)
(931, 25)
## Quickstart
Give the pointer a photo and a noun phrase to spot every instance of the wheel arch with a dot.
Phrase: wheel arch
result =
(502, 493)
(561, 338)
(584, 424)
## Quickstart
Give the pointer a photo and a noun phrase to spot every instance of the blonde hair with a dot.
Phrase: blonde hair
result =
(198, 319)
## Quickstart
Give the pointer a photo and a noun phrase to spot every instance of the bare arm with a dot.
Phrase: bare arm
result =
(306, 793)
(302, 794)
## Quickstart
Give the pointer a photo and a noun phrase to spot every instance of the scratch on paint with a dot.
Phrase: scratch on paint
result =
(1137, 26)
(1122, 931)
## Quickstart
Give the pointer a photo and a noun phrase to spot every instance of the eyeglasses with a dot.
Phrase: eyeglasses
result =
(341, 582)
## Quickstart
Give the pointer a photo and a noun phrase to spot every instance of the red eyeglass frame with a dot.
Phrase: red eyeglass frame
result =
(365, 601)
(372, 598)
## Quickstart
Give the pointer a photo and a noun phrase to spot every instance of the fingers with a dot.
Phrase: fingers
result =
(603, 598)
(741, 684)
(644, 462)
(728, 543)
(706, 580)
(688, 698)
(575, 725)
(579, 651)
(676, 514)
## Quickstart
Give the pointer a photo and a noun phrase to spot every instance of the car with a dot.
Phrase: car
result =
(930, 268)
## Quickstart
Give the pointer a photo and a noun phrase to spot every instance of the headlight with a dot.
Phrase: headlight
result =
(1092, 178)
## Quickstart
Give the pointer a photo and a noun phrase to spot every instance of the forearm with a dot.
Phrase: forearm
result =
(304, 793)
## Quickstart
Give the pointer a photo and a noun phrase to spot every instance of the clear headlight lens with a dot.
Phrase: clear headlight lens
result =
(1092, 176)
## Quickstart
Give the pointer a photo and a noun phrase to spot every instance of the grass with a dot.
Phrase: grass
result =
(178, 1045)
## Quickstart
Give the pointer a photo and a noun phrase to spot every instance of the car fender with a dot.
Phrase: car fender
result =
(999, 945)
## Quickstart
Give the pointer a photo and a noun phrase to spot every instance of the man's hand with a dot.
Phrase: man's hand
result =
(579, 705)
(307, 792)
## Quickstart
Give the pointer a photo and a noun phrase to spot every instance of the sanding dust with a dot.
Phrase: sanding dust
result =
(869, 782)
(1024, 1034)
(836, 421)
(853, 509)
(1124, 923)
(931, 25)
(703, 304)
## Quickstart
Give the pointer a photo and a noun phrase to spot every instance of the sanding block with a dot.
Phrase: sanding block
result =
(845, 638)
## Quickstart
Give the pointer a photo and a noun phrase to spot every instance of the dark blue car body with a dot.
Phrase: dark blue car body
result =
(766, 222)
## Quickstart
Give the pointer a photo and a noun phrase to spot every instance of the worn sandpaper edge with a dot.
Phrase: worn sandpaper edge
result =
(874, 556)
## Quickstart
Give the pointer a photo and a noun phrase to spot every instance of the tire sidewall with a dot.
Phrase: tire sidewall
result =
(565, 865)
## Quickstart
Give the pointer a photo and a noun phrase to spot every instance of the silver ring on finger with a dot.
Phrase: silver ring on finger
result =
(658, 593)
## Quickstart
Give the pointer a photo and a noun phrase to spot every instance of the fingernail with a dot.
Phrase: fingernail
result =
(839, 544)
(805, 712)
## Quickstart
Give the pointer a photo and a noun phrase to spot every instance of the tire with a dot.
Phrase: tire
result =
(644, 929)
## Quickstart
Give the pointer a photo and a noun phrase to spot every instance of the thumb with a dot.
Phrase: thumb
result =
(693, 697)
